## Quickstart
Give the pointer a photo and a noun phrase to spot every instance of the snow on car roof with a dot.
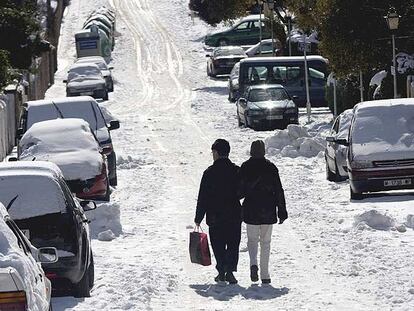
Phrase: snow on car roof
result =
(36, 186)
(83, 107)
(383, 129)
(98, 60)
(83, 69)
(67, 142)
(282, 59)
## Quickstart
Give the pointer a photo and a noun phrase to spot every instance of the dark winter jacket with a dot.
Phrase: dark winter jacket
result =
(264, 198)
(218, 196)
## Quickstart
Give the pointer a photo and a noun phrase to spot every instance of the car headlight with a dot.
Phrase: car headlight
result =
(361, 164)
(290, 110)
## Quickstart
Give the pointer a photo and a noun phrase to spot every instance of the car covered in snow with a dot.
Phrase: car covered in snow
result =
(223, 59)
(266, 106)
(86, 79)
(381, 146)
(43, 207)
(23, 283)
(336, 154)
(83, 107)
(105, 69)
(265, 48)
(72, 146)
(246, 31)
(233, 83)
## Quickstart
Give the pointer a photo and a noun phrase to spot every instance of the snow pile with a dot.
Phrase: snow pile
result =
(78, 155)
(293, 142)
(12, 256)
(374, 220)
(105, 221)
(410, 221)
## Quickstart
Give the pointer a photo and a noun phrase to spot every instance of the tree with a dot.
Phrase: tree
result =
(19, 32)
(4, 68)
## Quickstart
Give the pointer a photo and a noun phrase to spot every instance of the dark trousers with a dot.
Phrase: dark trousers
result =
(225, 241)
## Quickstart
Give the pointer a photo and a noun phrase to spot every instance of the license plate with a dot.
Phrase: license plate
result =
(26, 233)
(397, 182)
(86, 93)
(274, 117)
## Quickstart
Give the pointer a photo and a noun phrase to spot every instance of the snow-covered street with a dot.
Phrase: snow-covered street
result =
(331, 254)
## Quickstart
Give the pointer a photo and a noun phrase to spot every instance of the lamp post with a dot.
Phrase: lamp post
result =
(393, 20)
(271, 6)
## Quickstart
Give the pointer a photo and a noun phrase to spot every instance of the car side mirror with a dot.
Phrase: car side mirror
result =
(111, 67)
(88, 205)
(342, 142)
(65, 81)
(47, 255)
(13, 159)
(113, 125)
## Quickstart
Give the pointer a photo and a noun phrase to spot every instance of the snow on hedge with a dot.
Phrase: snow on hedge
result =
(69, 143)
(12, 256)
(295, 141)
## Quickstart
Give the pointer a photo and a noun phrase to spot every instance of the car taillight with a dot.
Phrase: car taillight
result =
(13, 301)
(51, 276)
(103, 173)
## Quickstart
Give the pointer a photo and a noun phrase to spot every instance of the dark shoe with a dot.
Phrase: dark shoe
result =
(253, 273)
(220, 278)
(266, 281)
(230, 278)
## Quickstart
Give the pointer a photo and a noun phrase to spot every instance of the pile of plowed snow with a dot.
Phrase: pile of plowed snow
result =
(295, 141)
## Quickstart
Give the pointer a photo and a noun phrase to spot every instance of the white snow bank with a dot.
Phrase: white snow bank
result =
(12, 256)
(375, 220)
(293, 142)
(107, 217)
(69, 143)
(410, 221)
(106, 236)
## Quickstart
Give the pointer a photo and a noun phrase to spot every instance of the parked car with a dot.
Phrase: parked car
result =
(23, 283)
(381, 146)
(53, 219)
(244, 32)
(82, 107)
(265, 48)
(86, 79)
(233, 83)
(105, 69)
(223, 59)
(268, 106)
(336, 154)
(289, 72)
(72, 146)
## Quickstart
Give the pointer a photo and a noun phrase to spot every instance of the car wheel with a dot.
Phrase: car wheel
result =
(91, 271)
(114, 181)
(355, 195)
(82, 289)
(107, 196)
(246, 123)
(329, 175)
(208, 71)
(105, 97)
(223, 42)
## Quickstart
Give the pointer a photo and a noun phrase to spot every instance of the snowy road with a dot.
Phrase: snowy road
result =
(171, 113)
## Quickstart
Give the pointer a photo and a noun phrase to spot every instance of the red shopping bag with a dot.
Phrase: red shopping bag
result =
(199, 249)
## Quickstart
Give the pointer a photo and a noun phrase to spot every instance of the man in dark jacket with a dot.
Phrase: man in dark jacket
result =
(264, 202)
(218, 200)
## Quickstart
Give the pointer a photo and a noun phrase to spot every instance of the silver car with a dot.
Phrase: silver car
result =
(335, 154)
(105, 69)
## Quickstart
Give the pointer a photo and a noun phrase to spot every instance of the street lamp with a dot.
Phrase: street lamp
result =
(393, 20)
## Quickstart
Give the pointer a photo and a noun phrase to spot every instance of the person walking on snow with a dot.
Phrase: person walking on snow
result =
(264, 202)
(218, 199)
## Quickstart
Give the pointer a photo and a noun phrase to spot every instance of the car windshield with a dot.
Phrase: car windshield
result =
(259, 95)
(228, 51)
(83, 71)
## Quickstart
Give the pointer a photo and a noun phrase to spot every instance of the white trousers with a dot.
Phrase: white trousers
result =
(262, 234)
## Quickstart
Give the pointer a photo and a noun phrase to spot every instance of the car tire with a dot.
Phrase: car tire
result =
(107, 196)
(335, 177)
(355, 195)
(114, 181)
(246, 123)
(91, 271)
(208, 71)
(105, 96)
(223, 42)
(82, 288)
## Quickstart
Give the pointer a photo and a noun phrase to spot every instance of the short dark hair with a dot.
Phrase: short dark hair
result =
(222, 147)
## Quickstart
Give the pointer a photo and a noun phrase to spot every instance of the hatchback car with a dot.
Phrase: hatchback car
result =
(266, 106)
(244, 32)
(265, 48)
(381, 146)
(71, 145)
(82, 107)
(53, 219)
(23, 283)
(86, 79)
(336, 154)
(223, 59)
(105, 69)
